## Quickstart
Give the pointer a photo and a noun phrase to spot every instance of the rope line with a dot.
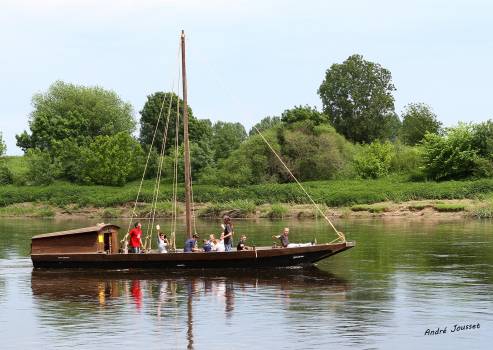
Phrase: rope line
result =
(124, 241)
(340, 234)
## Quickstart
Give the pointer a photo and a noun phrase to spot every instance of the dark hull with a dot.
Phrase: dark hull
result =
(259, 258)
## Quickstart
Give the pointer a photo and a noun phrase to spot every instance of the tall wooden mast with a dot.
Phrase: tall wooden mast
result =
(188, 197)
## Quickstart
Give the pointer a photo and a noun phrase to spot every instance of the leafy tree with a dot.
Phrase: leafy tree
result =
(252, 163)
(265, 124)
(374, 160)
(483, 139)
(77, 112)
(313, 153)
(6, 176)
(451, 156)
(3, 147)
(303, 113)
(357, 97)
(111, 160)
(417, 120)
(226, 138)
(42, 169)
(161, 102)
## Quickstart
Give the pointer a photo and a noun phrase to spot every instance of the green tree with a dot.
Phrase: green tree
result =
(77, 112)
(265, 124)
(451, 156)
(6, 176)
(162, 103)
(374, 160)
(226, 138)
(483, 139)
(3, 147)
(303, 113)
(313, 153)
(111, 160)
(42, 169)
(417, 120)
(357, 97)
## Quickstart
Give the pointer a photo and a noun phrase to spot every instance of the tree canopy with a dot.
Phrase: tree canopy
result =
(77, 112)
(162, 102)
(265, 124)
(357, 97)
(226, 138)
(417, 120)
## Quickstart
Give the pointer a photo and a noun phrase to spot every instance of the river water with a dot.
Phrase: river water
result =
(402, 278)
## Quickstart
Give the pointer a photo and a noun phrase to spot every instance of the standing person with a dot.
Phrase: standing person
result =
(135, 238)
(228, 233)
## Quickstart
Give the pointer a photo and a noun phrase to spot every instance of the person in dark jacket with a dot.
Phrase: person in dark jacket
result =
(228, 233)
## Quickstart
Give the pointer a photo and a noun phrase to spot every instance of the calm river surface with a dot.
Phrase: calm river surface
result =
(402, 278)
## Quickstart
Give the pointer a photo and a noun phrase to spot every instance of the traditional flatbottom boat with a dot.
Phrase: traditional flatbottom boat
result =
(97, 247)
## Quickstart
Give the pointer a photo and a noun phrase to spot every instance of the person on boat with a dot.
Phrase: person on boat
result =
(283, 237)
(207, 247)
(242, 244)
(135, 238)
(191, 244)
(219, 244)
(228, 233)
(162, 242)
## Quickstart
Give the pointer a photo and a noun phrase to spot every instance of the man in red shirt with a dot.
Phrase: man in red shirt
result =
(135, 241)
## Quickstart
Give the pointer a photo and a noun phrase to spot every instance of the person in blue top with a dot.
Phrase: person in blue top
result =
(191, 244)
(207, 247)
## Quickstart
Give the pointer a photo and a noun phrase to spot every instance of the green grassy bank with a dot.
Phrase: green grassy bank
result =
(336, 193)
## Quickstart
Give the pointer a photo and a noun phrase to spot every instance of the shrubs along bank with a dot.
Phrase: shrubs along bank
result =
(334, 193)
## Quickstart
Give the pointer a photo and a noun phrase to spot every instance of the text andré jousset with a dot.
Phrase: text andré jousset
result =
(454, 329)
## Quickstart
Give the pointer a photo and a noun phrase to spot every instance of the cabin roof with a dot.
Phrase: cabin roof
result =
(89, 229)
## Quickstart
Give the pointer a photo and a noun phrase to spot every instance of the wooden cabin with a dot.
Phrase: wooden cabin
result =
(102, 238)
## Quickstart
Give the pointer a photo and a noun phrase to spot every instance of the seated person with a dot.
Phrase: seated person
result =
(219, 244)
(242, 244)
(191, 244)
(283, 237)
(285, 240)
(207, 246)
(162, 243)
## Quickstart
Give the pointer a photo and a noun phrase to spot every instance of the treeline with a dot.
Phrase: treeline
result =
(86, 135)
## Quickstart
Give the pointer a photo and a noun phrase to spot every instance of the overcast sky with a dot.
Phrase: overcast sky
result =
(246, 59)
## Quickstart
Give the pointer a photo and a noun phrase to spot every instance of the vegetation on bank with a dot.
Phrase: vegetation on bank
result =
(334, 193)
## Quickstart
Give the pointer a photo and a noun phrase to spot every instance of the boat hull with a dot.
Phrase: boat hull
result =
(258, 258)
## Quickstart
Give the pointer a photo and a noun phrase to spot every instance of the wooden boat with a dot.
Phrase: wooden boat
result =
(97, 246)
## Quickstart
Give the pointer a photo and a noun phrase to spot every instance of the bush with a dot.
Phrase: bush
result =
(449, 207)
(453, 156)
(374, 160)
(42, 169)
(111, 160)
(278, 210)
(6, 176)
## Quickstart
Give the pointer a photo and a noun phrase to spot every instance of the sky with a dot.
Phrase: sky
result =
(246, 59)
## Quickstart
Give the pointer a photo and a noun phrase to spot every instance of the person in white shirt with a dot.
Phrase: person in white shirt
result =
(162, 243)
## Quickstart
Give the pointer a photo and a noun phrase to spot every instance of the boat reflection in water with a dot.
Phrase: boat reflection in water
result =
(172, 294)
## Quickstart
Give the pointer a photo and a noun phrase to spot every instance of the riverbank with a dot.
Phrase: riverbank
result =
(463, 208)
(337, 198)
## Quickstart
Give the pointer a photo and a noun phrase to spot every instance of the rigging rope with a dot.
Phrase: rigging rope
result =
(148, 239)
(340, 234)
(124, 241)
